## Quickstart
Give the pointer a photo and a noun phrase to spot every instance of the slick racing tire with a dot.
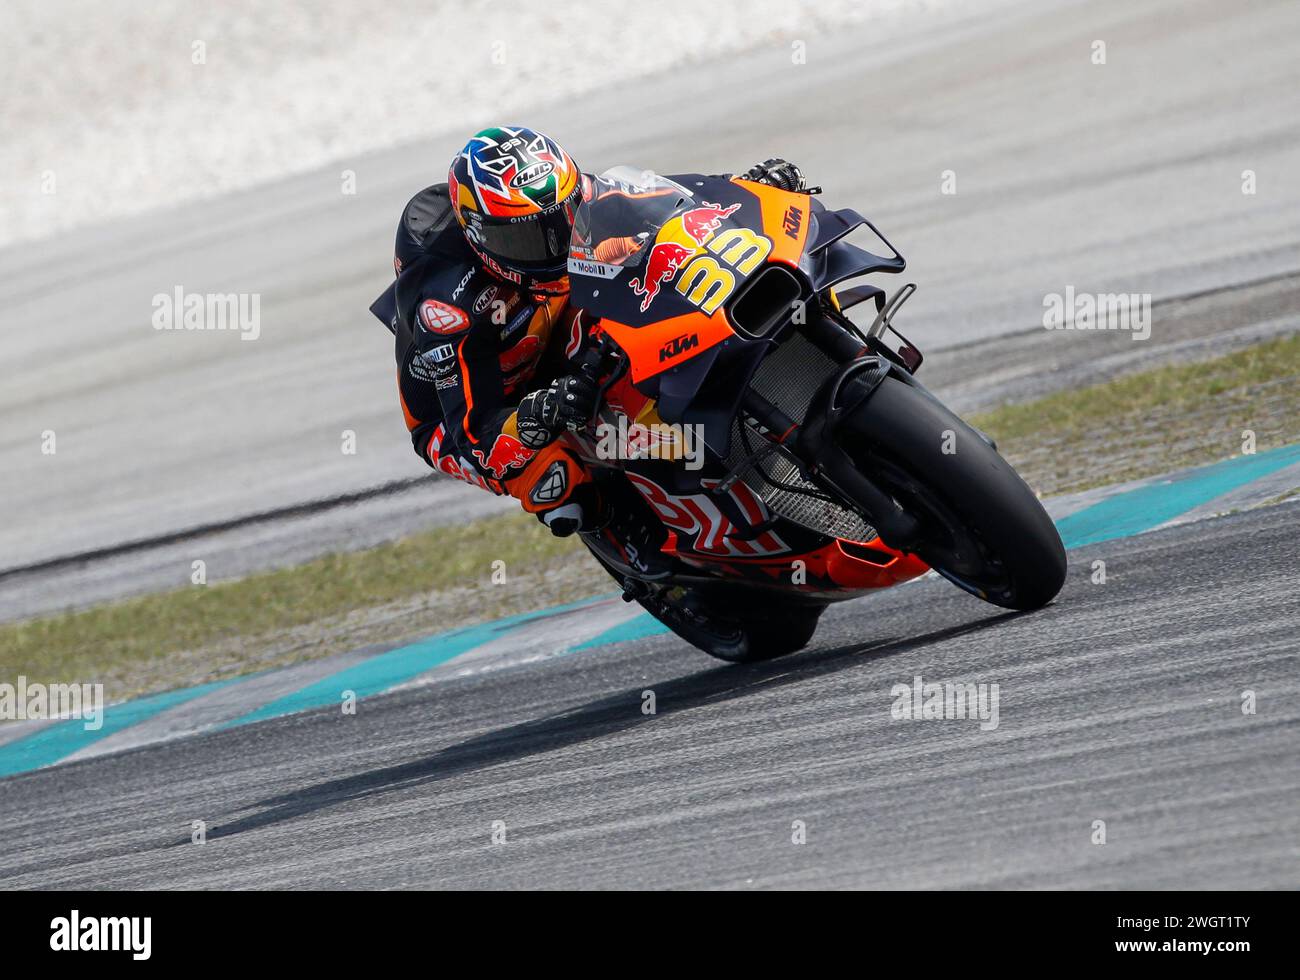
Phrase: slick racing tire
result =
(734, 631)
(719, 625)
(776, 638)
(982, 527)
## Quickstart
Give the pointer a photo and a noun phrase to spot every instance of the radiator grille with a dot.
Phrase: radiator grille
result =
(791, 375)
(789, 378)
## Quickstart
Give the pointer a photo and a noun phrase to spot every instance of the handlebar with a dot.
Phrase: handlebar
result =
(595, 365)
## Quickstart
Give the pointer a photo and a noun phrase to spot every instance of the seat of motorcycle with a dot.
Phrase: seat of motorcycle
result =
(424, 218)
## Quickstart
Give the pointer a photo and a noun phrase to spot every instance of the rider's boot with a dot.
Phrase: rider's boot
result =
(636, 537)
(556, 486)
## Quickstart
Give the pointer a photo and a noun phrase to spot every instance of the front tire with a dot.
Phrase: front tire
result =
(982, 527)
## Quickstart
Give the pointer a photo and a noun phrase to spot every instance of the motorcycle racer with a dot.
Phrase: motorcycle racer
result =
(484, 333)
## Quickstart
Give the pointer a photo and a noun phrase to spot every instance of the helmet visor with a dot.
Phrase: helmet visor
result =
(540, 241)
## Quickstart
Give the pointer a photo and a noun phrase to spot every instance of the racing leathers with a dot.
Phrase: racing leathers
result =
(470, 345)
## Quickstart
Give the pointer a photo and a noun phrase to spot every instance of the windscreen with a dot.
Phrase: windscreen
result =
(621, 210)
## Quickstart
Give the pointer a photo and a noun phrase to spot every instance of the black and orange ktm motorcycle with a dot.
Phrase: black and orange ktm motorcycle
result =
(791, 454)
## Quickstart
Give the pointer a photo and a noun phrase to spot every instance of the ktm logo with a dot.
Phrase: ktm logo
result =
(792, 221)
(678, 346)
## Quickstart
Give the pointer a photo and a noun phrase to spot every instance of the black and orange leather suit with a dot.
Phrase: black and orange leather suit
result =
(469, 345)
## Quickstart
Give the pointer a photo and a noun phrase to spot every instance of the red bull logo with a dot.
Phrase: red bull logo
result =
(701, 223)
(461, 469)
(506, 453)
(678, 240)
(660, 266)
(528, 348)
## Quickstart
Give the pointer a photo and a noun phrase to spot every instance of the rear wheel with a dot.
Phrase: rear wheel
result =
(738, 628)
(982, 527)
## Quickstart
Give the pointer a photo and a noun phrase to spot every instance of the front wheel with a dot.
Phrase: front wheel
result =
(982, 528)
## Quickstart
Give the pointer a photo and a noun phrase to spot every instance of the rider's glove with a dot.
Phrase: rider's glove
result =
(566, 403)
(777, 172)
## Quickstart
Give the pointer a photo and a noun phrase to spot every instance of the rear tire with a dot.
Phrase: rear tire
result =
(725, 630)
(984, 530)
(776, 639)
(771, 628)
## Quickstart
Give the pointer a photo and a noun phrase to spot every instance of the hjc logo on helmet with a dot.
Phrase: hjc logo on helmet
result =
(511, 189)
(532, 174)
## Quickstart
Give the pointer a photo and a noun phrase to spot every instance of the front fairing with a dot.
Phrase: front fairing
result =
(659, 260)
(697, 280)
(689, 216)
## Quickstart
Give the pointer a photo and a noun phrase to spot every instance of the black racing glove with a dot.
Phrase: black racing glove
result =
(777, 172)
(566, 403)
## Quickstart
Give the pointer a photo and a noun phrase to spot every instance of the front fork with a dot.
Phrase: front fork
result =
(816, 442)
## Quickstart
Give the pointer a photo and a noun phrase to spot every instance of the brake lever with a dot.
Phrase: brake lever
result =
(591, 368)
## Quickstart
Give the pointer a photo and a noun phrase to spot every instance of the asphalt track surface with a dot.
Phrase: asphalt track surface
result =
(1120, 702)
(1122, 177)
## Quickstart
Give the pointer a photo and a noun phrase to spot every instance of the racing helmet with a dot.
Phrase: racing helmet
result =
(515, 192)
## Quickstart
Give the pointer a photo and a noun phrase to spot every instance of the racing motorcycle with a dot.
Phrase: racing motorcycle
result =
(790, 454)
